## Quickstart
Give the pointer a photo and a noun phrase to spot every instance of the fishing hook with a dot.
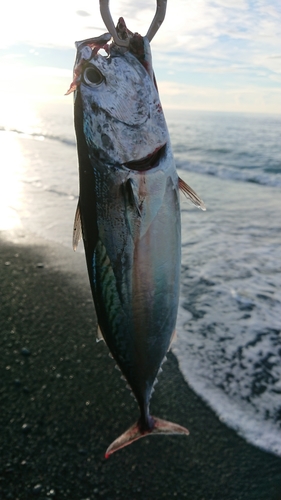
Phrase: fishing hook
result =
(154, 27)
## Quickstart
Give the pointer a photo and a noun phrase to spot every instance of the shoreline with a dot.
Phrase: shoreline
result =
(63, 403)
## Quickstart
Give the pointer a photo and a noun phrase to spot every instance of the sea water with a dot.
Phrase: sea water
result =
(228, 330)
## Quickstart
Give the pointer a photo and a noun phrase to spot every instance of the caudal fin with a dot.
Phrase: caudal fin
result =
(135, 432)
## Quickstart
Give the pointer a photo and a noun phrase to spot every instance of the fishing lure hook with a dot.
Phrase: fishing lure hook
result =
(154, 27)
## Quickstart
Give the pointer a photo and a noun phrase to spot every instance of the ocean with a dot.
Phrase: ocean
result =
(229, 323)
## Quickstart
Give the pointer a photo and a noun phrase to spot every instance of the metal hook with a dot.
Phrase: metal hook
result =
(158, 19)
(155, 25)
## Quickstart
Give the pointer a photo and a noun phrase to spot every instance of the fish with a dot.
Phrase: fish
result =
(128, 213)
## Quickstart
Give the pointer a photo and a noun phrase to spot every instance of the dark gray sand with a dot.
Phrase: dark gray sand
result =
(62, 403)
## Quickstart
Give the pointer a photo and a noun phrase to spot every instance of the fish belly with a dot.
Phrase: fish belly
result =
(135, 272)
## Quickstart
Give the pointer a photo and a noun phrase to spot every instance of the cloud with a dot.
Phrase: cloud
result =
(239, 99)
(50, 23)
(39, 82)
(233, 4)
(223, 43)
(82, 13)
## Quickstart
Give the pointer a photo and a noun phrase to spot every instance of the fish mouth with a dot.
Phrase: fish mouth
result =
(148, 162)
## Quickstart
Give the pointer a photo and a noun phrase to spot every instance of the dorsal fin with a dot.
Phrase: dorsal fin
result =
(191, 195)
(77, 229)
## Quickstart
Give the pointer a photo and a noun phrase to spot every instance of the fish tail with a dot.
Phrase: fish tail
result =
(136, 432)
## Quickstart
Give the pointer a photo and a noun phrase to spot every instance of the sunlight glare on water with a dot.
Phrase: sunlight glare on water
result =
(11, 170)
(17, 120)
(20, 116)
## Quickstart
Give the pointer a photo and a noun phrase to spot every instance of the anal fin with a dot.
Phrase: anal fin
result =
(77, 228)
(99, 334)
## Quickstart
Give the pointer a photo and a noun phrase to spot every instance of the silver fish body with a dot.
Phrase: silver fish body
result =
(130, 215)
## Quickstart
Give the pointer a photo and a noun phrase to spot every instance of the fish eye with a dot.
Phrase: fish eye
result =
(92, 76)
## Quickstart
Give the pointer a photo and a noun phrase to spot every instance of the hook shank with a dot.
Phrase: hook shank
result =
(158, 19)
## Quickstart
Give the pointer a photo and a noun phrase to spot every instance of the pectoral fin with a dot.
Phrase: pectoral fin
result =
(191, 195)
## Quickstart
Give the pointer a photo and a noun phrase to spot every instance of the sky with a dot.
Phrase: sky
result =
(221, 55)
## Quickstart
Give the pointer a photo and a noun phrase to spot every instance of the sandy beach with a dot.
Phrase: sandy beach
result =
(63, 402)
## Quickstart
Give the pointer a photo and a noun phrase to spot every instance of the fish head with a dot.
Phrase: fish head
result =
(123, 119)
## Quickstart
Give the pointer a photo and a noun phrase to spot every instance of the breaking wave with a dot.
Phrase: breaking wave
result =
(222, 162)
(40, 136)
(243, 175)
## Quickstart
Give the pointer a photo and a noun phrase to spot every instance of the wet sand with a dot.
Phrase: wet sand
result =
(62, 402)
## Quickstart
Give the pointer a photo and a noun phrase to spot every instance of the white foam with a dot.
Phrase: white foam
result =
(244, 418)
(228, 329)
